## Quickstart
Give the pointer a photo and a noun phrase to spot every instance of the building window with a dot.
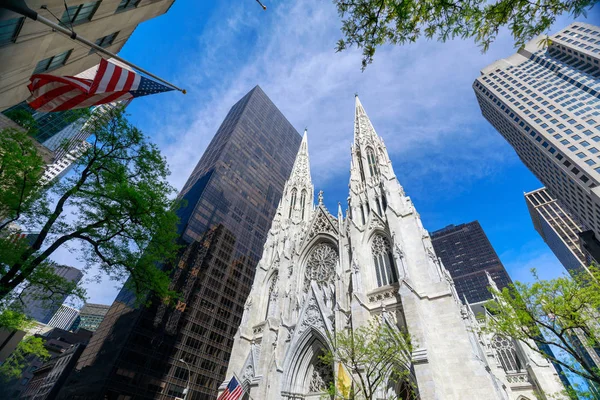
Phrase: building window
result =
(106, 40)
(127, 4)
(303, 201)
(292, 202)
(384, 261)
(506, 353)
(51, 63)
(9, 30)
(273, 294)
(360, 165)
(79, 14)
(372, 162)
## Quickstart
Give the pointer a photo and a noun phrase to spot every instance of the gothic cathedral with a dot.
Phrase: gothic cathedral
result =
(320, 274)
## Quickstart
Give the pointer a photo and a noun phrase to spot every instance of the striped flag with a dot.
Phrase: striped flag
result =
(111, 83)
(233, 391)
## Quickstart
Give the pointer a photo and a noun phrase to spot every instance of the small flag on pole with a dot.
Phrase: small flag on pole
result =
(111, 83)
(233, 391)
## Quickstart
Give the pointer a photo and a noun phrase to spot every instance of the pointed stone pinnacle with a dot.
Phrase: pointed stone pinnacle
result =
(320, 197)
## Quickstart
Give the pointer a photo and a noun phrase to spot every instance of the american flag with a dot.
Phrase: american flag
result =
(111, 83)
(233, 390)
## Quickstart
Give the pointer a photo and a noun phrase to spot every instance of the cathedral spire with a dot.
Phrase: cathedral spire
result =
(298, 194)
(301, 168)
(363, 129)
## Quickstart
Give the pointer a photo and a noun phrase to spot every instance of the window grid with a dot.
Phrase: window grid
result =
(9, 30)
(52, 63)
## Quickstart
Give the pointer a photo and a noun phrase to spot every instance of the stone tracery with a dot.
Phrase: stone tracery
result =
(320, 266)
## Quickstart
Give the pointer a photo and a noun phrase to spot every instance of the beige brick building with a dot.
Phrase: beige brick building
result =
(546, 104)
(28, 47)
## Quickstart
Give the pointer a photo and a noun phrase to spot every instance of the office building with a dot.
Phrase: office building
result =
(58, 343)
(46, 154)
(468, 255)
(28, 47)
(231, 196)
(48, 379)
(61, 167)
(40, 304)
(545, 102)
(90, 317)
(558, 228)
(64, 317)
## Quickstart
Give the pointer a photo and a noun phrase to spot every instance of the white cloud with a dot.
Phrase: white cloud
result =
(418, 96)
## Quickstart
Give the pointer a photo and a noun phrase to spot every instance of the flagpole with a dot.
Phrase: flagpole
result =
(20, 7)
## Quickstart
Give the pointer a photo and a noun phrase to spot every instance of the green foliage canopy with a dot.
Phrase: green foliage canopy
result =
(117, 205)
(368, 24)
(561, 312)
(373, 354)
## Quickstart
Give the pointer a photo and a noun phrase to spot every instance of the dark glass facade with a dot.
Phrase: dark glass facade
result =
(231, 197)
(41, 304)
(467, 254)
(47, 124)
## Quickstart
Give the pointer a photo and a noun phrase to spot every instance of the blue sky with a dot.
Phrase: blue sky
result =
(449, 159)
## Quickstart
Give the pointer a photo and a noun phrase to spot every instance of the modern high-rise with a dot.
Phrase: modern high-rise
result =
(62, 166)
(64, 317)
(40, 304)
(27, 47)
(468, 255)
(545, 101)
(558, 228)
(90, 317)
(231, 196)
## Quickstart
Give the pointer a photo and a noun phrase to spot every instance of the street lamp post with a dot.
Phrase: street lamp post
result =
(187, 389)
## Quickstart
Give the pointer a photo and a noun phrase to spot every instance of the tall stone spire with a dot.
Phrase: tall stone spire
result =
(363, 129)
(370, 170)
(298, 193)
(301, 169)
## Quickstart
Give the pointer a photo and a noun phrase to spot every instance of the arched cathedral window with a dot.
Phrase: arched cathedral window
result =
(303, 201)
(293, 201)
(273, 294)
(372, 162)
(320, 266)
(360, 165)
(384, 261)
(507, 353)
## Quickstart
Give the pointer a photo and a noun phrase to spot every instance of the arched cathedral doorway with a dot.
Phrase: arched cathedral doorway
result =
(308, 377)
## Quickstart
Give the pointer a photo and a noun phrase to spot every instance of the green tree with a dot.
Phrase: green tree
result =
(117, 205)
(27, 349)
(561, 313)
(368, 24)
(373, 355)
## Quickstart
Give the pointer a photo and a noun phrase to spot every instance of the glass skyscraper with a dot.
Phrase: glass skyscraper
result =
(231, 197)
(41, 304)
(468, 254)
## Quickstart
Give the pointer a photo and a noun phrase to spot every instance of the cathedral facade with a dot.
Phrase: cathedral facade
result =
(320, 274)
